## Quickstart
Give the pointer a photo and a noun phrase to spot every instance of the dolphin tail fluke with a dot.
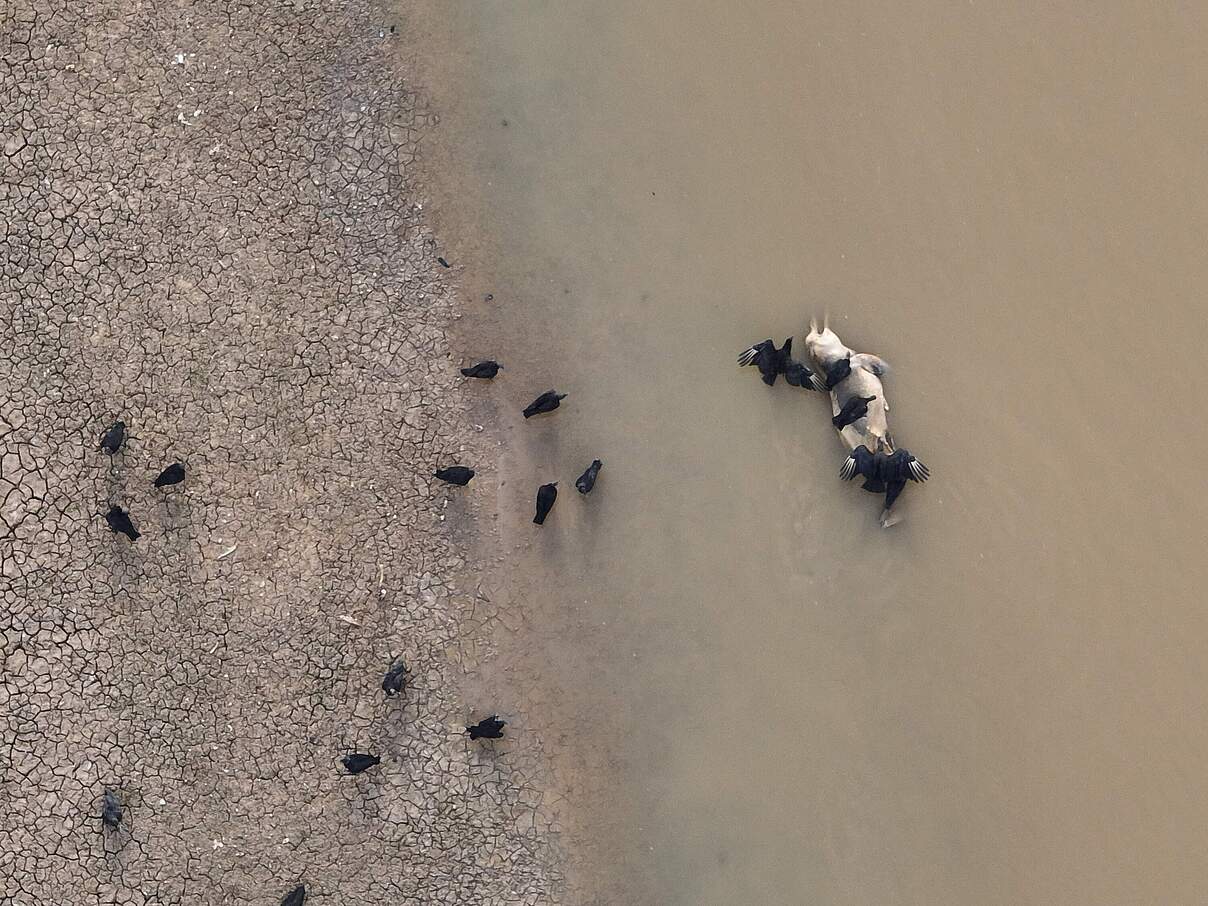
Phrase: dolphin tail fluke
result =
(888, 519)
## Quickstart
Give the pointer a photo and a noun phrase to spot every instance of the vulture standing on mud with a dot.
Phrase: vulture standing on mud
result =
(111, 440)
(546, 495)
(458, 475)
(174, 474)
(111, 810)
(395, 680)
(358, 762)
(767, 358)
(546, 402)
(485, 370)
(487, 728)
(772, 362)
(119, 523)
(585, 482)
(296, 897)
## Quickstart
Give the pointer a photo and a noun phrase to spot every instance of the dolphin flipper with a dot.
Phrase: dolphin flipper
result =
(870, 362)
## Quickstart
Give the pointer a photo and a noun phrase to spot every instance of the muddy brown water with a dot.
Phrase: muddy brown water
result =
(1001, 700)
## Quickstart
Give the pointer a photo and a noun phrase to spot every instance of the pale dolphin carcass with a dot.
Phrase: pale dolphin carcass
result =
(873, 452)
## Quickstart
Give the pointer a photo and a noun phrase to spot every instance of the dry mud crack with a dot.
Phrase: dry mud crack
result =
(211, 231)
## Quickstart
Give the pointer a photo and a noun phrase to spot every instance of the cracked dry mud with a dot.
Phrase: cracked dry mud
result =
(210, 230)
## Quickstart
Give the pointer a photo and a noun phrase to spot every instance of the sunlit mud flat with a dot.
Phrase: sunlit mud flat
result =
(998, 700)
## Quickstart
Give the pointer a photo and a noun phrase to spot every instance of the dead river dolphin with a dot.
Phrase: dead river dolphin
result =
(884, 467)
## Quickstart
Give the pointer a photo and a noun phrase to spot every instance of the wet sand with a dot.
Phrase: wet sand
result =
(997, 701)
